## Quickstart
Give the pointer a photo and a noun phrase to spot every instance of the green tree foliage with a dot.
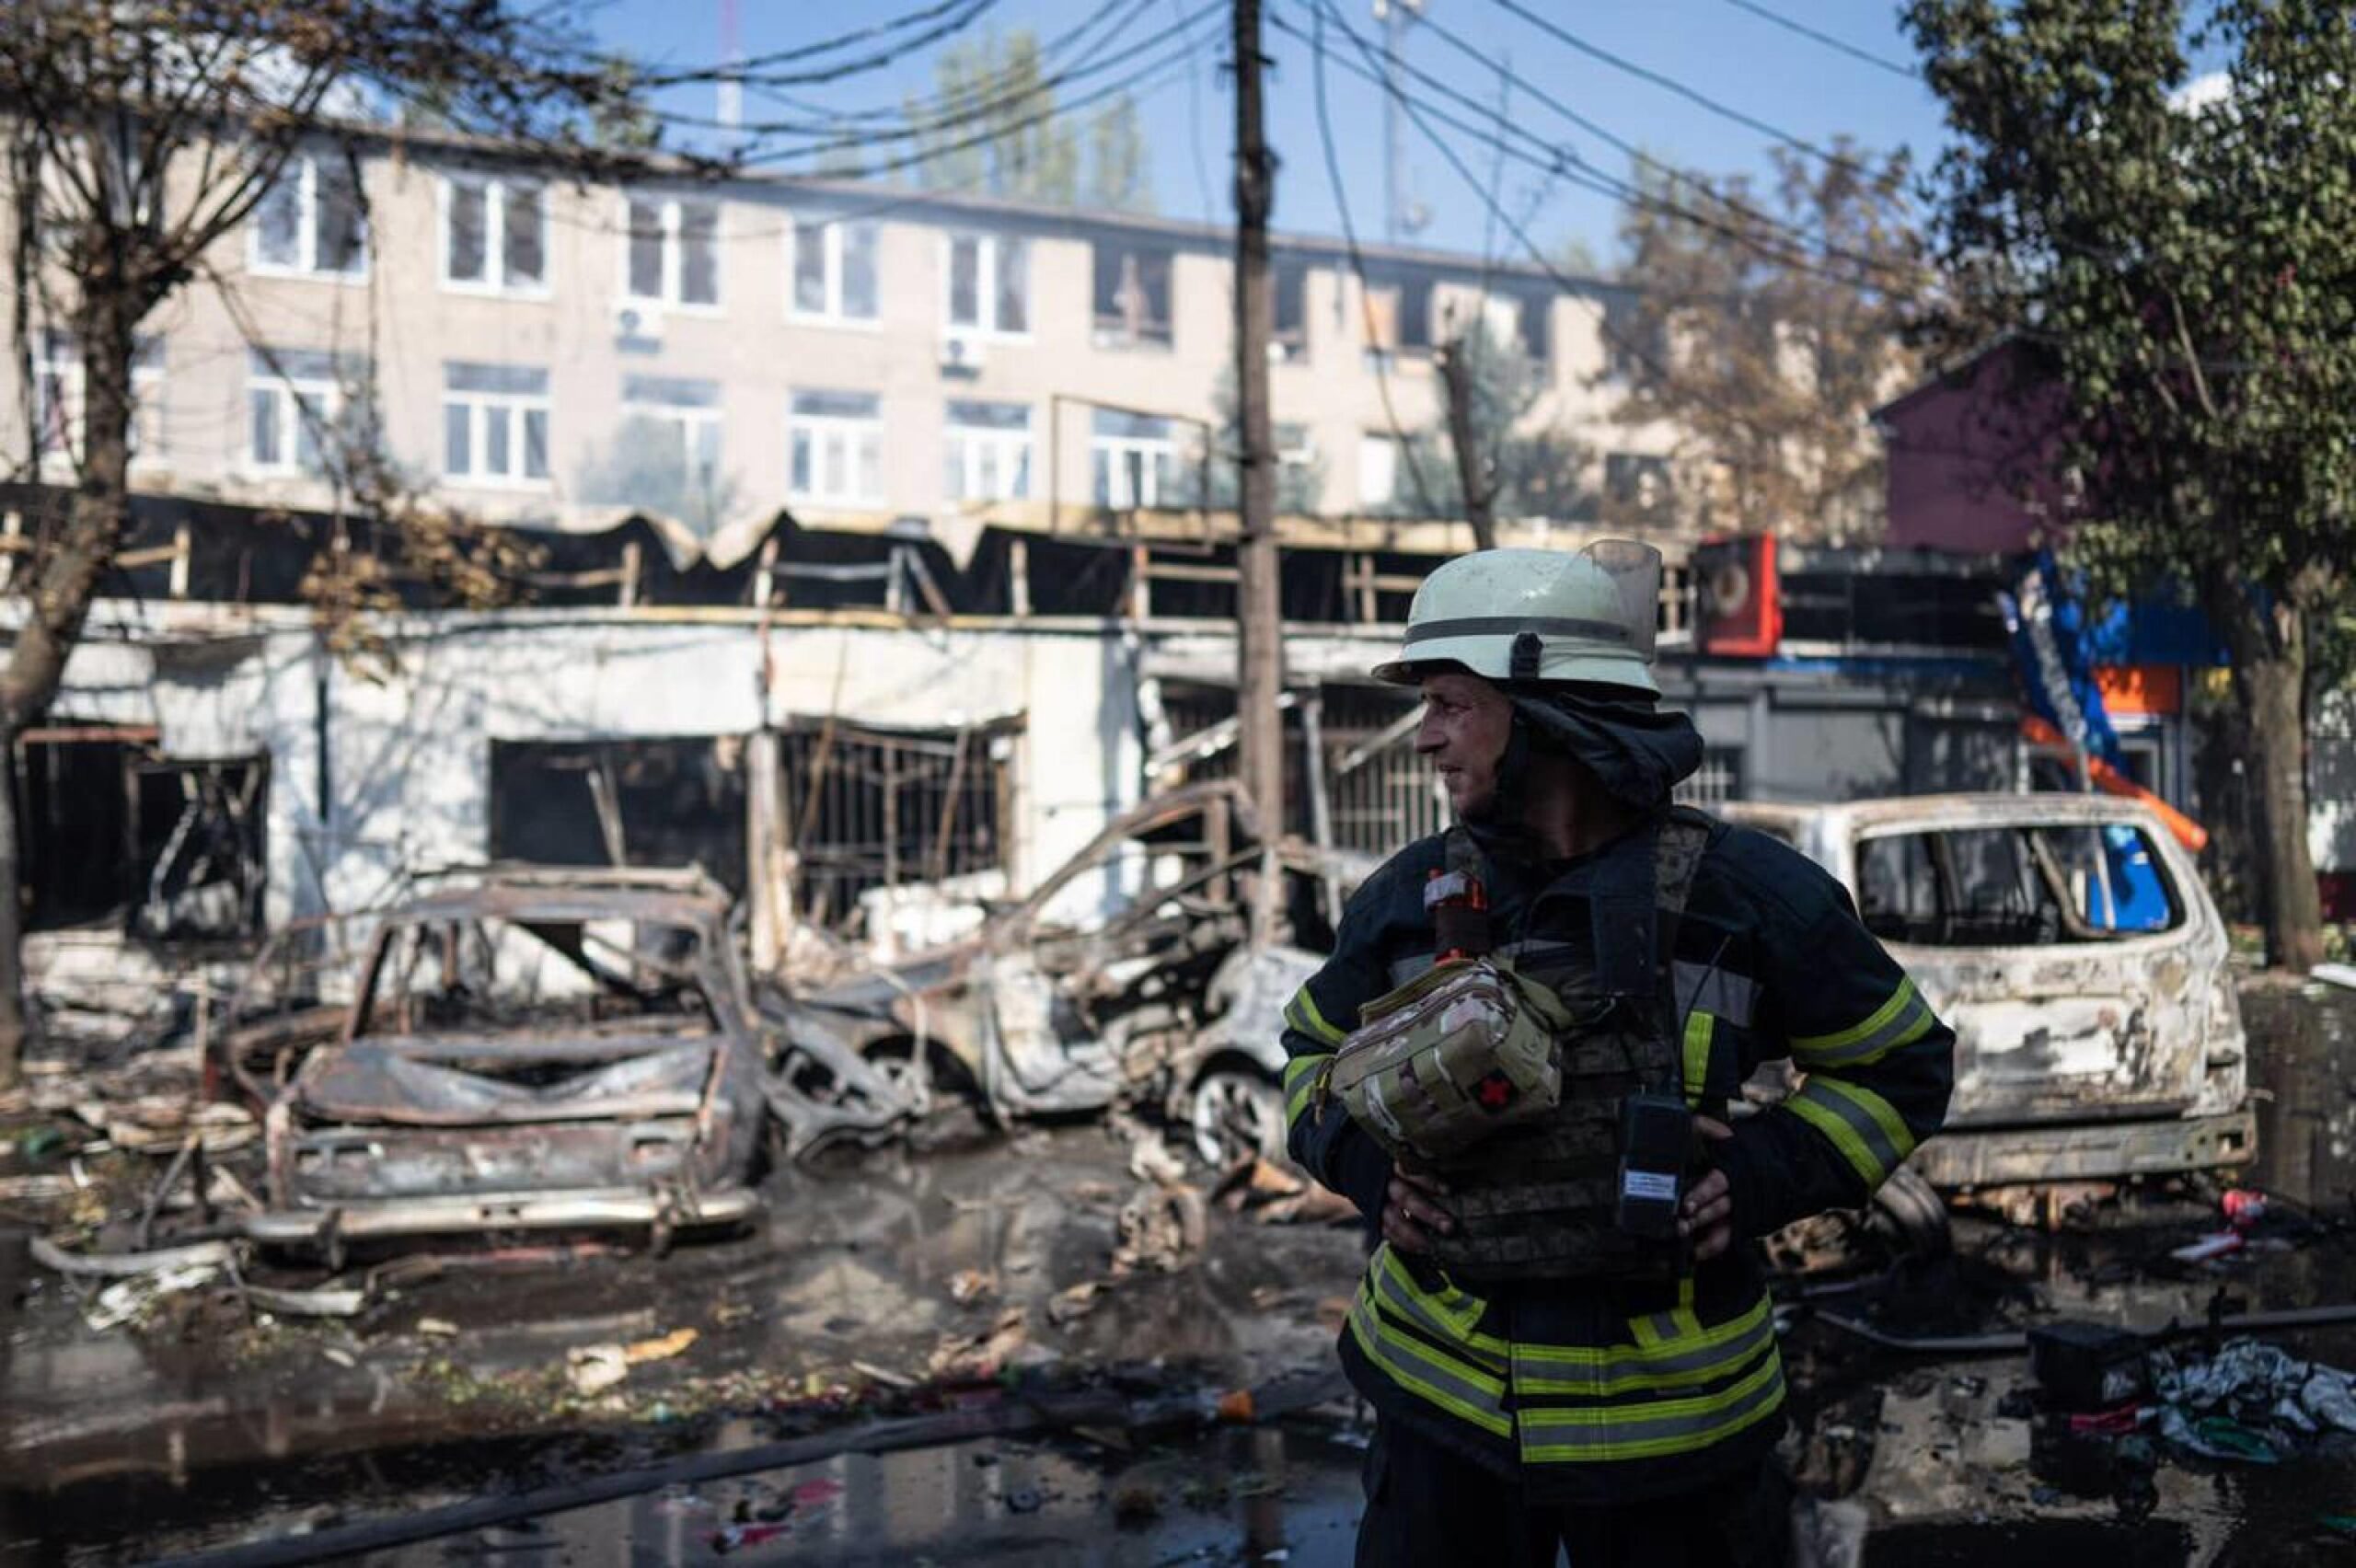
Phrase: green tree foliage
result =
(1120, 174)
(2179, 274)
(1767, 348)
(991, 128)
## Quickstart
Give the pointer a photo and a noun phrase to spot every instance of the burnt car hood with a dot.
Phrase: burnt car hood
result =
(458, 1083)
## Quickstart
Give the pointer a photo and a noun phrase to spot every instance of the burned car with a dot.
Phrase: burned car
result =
(1128, 976)
(2070, 943)
(525, 1049)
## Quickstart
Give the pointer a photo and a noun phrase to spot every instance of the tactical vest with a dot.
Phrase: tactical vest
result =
(1534, 1198)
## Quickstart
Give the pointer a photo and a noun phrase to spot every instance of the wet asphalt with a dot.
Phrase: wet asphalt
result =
(198, 1431)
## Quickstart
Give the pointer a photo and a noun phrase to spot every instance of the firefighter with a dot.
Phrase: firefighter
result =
(1627, 1415)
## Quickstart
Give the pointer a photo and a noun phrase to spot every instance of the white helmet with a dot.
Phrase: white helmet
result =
(1538, 616)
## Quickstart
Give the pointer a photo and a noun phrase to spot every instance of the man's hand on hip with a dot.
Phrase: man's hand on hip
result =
(1708, 1214)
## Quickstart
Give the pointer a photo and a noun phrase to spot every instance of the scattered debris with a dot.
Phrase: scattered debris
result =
(662, 1349)
(1161, 1227)
(437, 1328)
(1075, 1302)
(594, 1368)
(969, 1285)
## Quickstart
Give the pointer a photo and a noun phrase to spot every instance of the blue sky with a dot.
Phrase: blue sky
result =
(1716, 47)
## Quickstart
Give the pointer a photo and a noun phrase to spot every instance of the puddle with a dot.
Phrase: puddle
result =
(207, 1438)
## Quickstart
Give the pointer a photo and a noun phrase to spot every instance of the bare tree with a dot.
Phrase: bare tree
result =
(138, 133)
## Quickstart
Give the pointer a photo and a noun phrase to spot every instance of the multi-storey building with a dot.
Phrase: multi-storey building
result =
(545, 352)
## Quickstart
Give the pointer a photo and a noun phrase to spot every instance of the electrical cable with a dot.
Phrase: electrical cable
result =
(1670, 83)
(1357, 265)
(1850, 50)
(743, 70)
(1414, 112)
(1633, 151)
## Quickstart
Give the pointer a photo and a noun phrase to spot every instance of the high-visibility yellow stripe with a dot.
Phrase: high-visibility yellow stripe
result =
(1415, 1370)
(1302, 1012)
(1865, 1127)
(1832, 1125)
(1453, 1311)
(1672, 1368)
(1301, 1083)
(1610, 1355)
(1816, 1044)
(1652, 1431)
(1699, 1027)
(1885, 1115)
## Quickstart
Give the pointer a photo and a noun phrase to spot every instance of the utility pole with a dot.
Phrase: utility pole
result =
(1473, 476)
(1260, 728)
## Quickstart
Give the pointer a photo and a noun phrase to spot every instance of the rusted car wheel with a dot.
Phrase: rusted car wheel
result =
(1235, 1112)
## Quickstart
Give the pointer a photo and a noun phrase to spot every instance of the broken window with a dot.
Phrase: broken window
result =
(871, 808)
(673, 249)
(1291, 340)
(1132, 297)
(666, 800)
(59, 384)
(2015, 886)
(1136, 461)
(309, 221)
(488, 973)
(494, 233)
(108, 832)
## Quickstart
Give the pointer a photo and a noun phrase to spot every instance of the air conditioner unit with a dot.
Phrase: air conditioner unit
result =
(638, 320)
(1739, 608)
(960, 354)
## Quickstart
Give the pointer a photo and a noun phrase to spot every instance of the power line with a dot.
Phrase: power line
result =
(1633, 151)
(1850, 50)
(1357, 266)
(1670, 83)
(944, 24)
(1414, 112)
(1565, 163)
(833, 120)
(972, 109)
(1186, 46)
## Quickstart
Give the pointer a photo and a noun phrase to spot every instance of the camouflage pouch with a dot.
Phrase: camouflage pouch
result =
(1464, 1050)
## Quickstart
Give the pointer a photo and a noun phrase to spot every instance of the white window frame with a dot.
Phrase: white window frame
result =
(1014, 451)
(148, 433)
(693, 420)
(304, 168)
(850, 431)
(289, 391)
(989, 249)
(675, 253)
(831, 233)
(494, 281)
(1114, 450)
(518, 407)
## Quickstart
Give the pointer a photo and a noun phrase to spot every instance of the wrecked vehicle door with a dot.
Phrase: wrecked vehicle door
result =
(541, 1050)
(1117, 977)
(2070, 943)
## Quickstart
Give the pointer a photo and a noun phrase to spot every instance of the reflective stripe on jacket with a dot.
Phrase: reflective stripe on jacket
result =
(1606, 1392)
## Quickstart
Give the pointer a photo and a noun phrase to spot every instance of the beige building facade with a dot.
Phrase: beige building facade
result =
(541, 351)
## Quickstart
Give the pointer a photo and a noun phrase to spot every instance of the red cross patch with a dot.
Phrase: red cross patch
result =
(1495, 1092)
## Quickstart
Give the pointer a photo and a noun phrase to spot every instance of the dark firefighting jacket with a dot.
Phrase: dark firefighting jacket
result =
(1608, 1392)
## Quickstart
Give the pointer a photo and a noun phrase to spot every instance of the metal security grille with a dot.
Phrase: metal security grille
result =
(1382, 795)
(1719, 779)
(868, 808)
